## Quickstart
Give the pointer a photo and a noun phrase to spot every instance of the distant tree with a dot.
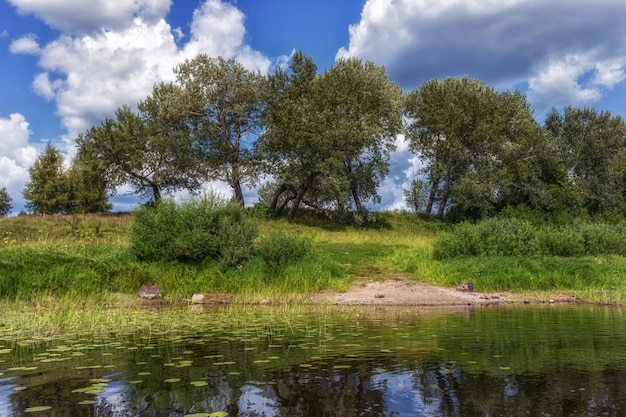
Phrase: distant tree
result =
(330, 136)
(150, 150)
(5, 202)
(48, 191)
(417, 195)
(88, 184)
(224, 109)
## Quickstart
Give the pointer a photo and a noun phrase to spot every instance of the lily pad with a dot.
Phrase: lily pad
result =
(37, 408)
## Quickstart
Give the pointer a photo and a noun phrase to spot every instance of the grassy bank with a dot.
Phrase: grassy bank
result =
(84, 257)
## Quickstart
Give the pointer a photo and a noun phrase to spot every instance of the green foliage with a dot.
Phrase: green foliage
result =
(329, 137)
(279, 250)
(48, 191)
(223, 109)
(495, 236)
(5, 202)
(517, 237)
(149, 150)
(196, 230)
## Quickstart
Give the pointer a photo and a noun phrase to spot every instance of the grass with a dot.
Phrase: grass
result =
(84, 257)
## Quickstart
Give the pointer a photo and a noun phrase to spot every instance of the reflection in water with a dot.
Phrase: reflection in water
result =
(563, 361)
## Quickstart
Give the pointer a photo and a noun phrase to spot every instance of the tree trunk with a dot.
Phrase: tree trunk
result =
(431, 197)
(444, 197)
(156, 194)
(295, 204)
(357, 200)
(238, 192)
(279, 191)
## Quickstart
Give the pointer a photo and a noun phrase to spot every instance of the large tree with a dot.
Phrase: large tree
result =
(330, 135)
(592, 146)
(223, 110)
(151, 150)
(478, 145)
(48, 191)
(5, 202)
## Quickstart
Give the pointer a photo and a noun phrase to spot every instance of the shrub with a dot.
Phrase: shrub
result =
(564, 241)
(462, 241)
(279, 250)
(506, 236)
(494, 236)
(207, 228)
(603, 238)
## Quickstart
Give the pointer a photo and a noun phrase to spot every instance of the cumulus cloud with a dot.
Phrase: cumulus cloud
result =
(504, 43)
(16, 155)
(89, 75)
(25, 45)
(71, 16)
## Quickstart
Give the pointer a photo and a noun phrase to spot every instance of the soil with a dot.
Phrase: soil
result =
(401, 291)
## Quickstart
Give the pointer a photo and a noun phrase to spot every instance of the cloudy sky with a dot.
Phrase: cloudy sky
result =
(65, 65)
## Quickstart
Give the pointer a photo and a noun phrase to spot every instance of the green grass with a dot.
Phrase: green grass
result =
(88, 257)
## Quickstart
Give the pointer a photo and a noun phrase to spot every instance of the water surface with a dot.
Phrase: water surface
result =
(509, 361)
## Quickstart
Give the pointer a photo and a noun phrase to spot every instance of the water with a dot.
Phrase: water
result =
(522, 361)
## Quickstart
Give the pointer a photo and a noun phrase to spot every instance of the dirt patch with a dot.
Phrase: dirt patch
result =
(402, 291)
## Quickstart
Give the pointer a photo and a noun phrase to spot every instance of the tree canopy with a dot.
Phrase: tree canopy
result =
(223, 112)
(330, 136)
(47, 192)
(5, 202)
(324, 141)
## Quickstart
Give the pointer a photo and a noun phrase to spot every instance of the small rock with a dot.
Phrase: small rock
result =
(150, 291)
(197, 298)
(465, 287)
(379, 296)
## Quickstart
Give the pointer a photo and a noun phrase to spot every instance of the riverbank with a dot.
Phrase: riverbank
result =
(389, 263)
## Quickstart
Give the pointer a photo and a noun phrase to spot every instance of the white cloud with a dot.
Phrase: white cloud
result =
(16, 156)
(72, 16)
(567, 49)
(90, 75)
(558, 84)
(25, 45)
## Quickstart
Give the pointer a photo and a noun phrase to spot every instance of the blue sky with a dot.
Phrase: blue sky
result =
(65, 65)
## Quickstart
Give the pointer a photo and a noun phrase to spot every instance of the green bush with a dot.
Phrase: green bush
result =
(279, 250)
(506, 236)
(196, 230)
(564, 241)
(603, 238)
(494, 236)
(462, 241)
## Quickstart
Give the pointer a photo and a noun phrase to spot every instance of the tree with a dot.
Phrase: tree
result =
(417, 195)
(330, 136)
(5, 202)
(592, 149)
(469, 134)
(88, 184)
(224, 109)
(48, 191)
(150, 150)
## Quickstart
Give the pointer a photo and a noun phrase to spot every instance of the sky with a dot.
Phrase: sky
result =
(66, 65)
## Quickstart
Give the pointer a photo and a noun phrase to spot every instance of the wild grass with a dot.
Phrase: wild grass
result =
(89, 258)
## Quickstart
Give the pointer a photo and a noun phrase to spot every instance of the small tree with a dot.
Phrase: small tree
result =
(48, 190)
(417, 195)
(5, 202)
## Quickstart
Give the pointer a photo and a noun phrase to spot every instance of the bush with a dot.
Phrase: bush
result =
(494, 236)
(462, 241)
(279, 250)
(196, 230)
(565, 241)
(603, 238)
